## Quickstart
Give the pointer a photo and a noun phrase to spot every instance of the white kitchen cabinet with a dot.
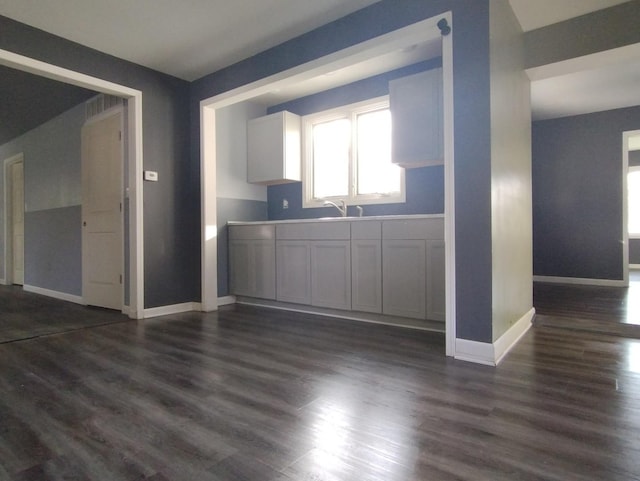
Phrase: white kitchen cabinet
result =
(436, 270)
(417, 126)
(293, 271)
(366, 267)
(331, 274)
(273, 149)
(404, 278)
(252, 260)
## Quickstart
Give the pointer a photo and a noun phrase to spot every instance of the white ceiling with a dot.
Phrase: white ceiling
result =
(191, 38)
(186, 38)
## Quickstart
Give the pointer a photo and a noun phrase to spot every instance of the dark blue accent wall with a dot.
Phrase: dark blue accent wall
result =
(577, 194)
(471, 117)
(171, 214)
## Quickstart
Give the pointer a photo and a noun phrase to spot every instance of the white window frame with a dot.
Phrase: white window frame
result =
(349, 111)
(632, 235)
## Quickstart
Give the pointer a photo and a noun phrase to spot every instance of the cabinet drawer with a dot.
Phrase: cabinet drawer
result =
(366, 229)
(252, 232)
(413, 229)
(314, 231)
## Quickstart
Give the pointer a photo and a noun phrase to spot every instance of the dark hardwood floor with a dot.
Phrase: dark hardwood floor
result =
(607, 310)
(254, 394)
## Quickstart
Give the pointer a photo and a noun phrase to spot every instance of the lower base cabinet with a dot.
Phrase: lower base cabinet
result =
(404, 279)
(393, 267)
(331, 274)
(253, 268)
(293, 271)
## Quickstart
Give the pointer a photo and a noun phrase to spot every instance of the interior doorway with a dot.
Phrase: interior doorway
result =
(631, 201)
(134, 187)
(14, 219)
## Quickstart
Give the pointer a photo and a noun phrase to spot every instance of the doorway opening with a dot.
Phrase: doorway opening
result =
(404, 38)
(134, 188)
(14, 220)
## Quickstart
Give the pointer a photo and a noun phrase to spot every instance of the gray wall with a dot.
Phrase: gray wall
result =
(171, 214)
(471, 117)
(602, 30)
(577, 194)
(511, 222)
(53, 193)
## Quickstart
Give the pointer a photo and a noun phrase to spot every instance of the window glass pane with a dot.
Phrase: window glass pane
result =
(633, 186)
(375, 172)
(331, 158)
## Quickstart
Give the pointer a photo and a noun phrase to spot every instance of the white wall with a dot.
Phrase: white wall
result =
(231, 152)
(511, 212)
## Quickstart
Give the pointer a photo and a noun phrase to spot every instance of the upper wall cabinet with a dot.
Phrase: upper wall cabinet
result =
(416, 112)
(273, 149)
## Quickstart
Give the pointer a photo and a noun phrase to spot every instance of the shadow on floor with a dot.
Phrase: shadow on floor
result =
(24, 315)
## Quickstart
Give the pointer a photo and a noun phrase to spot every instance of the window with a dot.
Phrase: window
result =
(347, 156)
(633, 205)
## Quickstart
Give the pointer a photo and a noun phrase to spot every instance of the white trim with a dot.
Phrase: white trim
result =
(634, 266)
(226, 300)
(509, 339)
(55, 294)
(3, 281)
(135, 190)
(449, 192)
(625, 201)
(493, 354)
(412, 34)
(474, 351)
(8, 217)
(172, 309)
(581, 281)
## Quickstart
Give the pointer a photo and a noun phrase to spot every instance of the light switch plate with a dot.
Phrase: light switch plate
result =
(151, 175)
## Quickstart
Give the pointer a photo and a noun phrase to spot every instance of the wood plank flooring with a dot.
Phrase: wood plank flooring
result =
(606, 310)
(254, 394)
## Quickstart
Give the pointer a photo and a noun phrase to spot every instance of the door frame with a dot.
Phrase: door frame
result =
(418, 31)
(625, 203)
(8, 217)
(134, 188)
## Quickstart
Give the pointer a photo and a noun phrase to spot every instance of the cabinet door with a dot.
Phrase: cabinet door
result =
(273, 149)
(331, 274)
(293, 271)
(404, 278)
(252, 268)
(436, 280)
(239, 263)
(366, 275)
(416, 109)
(262, 270)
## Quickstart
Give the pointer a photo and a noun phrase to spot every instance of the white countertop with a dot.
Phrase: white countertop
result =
(341, 219)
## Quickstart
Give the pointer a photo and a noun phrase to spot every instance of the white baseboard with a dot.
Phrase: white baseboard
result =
(3, 282)
(504, 343)
(474, 351)
(580, 281)
(634, 266)
(226, 300)
(172, 309)
(55, 294)
(491, 354)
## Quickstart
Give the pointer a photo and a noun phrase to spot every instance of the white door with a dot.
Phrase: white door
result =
(17, 222)
(102, 239)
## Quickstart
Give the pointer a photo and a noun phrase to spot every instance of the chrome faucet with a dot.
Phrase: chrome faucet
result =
(341, 208)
